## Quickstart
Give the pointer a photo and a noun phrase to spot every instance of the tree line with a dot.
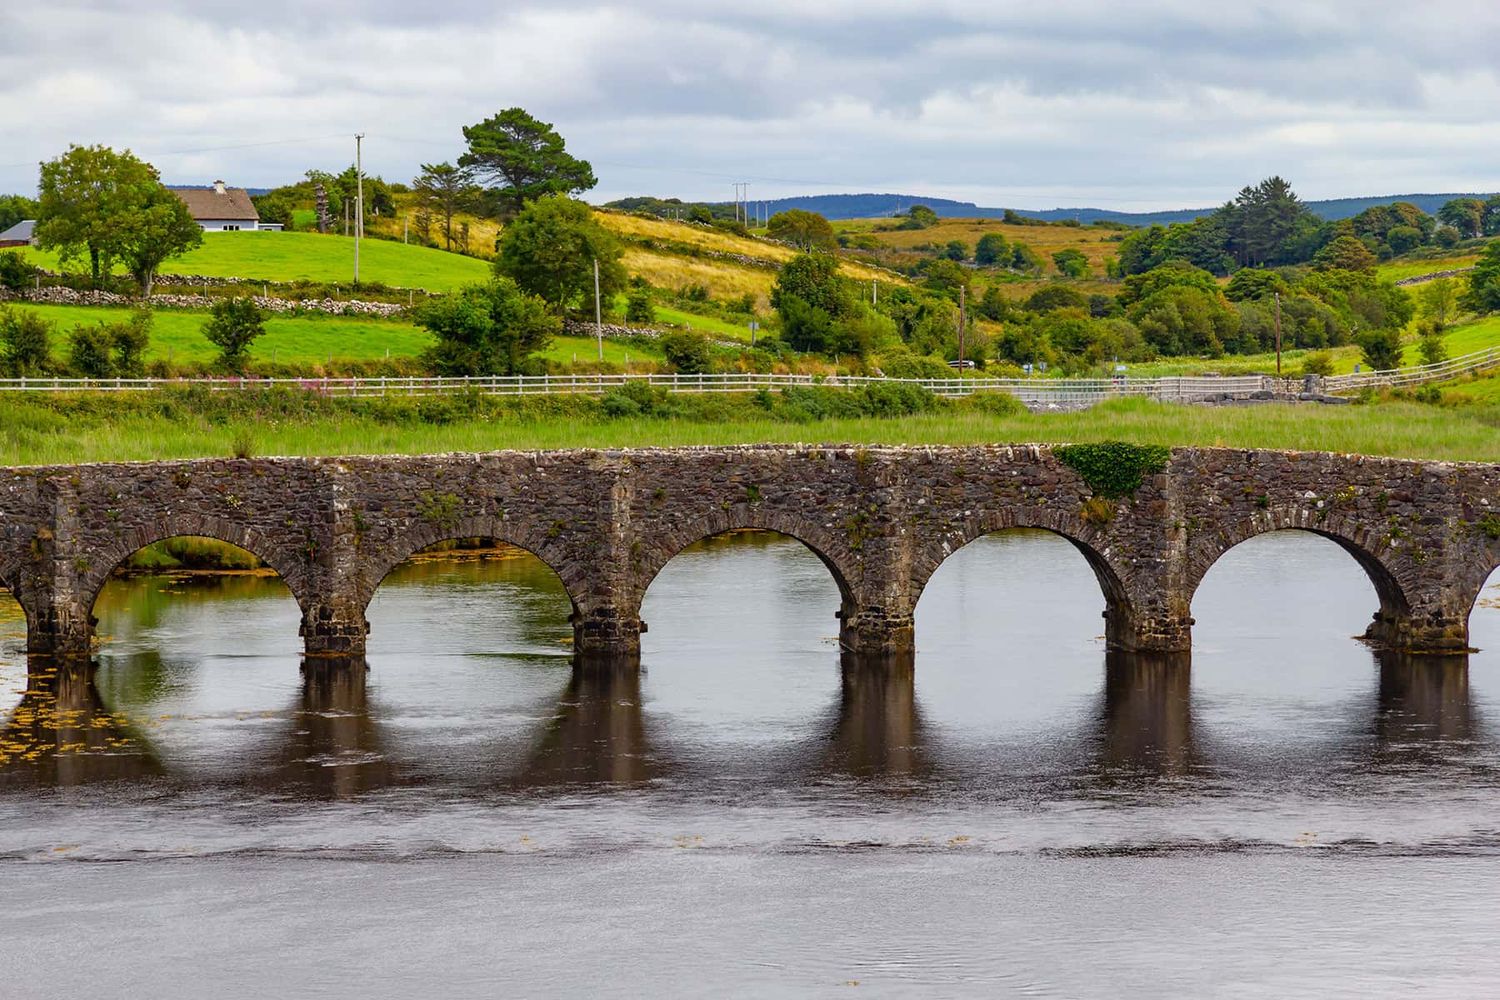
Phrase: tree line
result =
(1267, 225)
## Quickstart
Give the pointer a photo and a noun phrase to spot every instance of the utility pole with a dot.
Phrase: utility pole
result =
(598, 312)
(962, 317)
(359, 199)
(874, 291)
(1278, 335)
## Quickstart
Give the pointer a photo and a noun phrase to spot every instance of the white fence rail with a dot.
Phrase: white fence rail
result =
(1467, 364)
(1036, 392)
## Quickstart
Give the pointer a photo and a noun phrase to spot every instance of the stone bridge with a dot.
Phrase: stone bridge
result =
(881, 519)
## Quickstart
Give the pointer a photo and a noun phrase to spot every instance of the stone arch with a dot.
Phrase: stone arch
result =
(289, 559)
(1388, 573)
(10, 582)
(830, 549)
(574, 575)
(1084, 537)
(1473, 576)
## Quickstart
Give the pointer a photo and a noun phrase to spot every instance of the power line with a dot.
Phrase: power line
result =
(205, 149)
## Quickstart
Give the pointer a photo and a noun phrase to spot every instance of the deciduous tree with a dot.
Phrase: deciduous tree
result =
(110, 206)
(991, 250)
(1483, 295)
(490, 329)
(1438, 298)
(549, 251)
(802, 229)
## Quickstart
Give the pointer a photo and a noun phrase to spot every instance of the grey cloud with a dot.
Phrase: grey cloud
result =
(1166, 103)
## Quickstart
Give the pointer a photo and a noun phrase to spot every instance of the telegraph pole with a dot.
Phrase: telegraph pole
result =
(359, 199)
(1278, 335)
(598, 312)
(962, 317)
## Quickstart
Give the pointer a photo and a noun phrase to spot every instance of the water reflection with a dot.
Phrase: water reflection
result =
(1424, 706)
(877, 729)
(334, 747)
(599, 734)
(1146, 716)
(61, 733)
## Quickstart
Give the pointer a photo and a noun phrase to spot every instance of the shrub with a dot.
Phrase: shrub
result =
(639, 308)
(1318, 363)
(687, 351)
(1434, 351)
(16, 272)
(996, 404)
(490, 329)
(895, 399)
(906, 365)
(27, 339)
(636, 399)
(233, 327)
(89, 351)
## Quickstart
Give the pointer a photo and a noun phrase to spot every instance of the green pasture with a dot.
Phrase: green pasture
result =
(1397, 270)
(177, 335)
(272, 256)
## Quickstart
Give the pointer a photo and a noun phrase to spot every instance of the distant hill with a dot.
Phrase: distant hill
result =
(869, 206)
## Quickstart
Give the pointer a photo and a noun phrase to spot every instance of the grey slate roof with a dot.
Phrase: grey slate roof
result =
(20, 231)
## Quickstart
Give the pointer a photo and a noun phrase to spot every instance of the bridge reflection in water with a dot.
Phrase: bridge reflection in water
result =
(598, 733)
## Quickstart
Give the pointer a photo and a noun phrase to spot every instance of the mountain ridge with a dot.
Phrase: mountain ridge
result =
(872, 205)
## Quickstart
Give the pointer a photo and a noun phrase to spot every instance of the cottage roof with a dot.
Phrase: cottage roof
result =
(20, 231)
(218, 202)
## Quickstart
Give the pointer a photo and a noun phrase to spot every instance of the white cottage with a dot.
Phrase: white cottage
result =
(220, 209)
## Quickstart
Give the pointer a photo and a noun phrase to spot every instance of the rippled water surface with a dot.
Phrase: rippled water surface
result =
(1289, 814)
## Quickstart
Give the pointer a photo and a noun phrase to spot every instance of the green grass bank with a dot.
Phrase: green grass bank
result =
(66, 428)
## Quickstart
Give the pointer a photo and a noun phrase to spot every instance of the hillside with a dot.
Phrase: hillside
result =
(672, 256)
(871, 206)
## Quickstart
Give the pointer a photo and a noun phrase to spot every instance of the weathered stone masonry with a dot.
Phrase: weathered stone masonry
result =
(881, 519)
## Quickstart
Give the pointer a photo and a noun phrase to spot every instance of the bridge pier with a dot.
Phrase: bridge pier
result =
(1151, 631)
(1436, 632)
(333, 631)
(607, 639)
(61, 630)
(877, 635)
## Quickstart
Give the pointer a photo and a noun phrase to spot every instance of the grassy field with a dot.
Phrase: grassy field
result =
(582, 350)
(1398, 269)
(37, 432)
(313, 257)
(1463, 339)
(177, 335)
(1485, 391)
(1096, 244)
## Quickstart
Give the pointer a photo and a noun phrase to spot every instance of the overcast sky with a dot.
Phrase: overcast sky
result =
(1172, 103)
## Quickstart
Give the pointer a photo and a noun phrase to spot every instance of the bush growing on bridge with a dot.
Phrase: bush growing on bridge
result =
(1114, 469)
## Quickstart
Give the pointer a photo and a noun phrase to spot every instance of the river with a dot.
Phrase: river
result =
(1290, 815)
